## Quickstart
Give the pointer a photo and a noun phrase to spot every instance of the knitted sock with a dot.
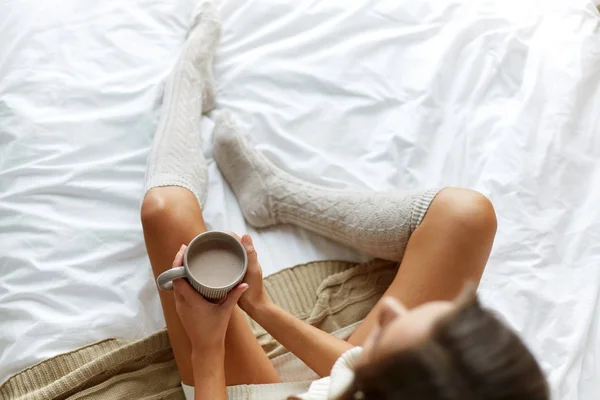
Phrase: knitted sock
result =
(376, 223)
(176, 158)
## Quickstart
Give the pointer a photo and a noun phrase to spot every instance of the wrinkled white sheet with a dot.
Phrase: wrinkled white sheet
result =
(497, 95)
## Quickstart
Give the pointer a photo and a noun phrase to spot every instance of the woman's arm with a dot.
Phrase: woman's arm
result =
(316, 348)
(209, 374)
(319, 350)
(205, 324)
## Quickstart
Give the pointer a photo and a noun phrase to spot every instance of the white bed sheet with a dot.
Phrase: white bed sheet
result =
(494, 95)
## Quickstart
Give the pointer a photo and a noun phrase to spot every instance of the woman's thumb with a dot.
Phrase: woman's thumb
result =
(234, 296)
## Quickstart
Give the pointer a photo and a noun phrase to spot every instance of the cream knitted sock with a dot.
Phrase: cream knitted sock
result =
(176, 158)
(376, 223)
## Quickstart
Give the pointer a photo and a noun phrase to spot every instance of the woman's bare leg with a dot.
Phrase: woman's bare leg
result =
(443, 239)
(171, 217)
(450, 247)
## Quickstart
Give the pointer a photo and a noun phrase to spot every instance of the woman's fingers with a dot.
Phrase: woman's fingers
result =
(177, 295)
(234, 296)
(178, 261)
(185, 290)
(184, 293)
(179, 284)
(179, 300)
(250, 250)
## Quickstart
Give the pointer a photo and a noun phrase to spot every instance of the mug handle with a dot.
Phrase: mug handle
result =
(165, 280)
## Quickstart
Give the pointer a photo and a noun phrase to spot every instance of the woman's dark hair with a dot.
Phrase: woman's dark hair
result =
(471, 355)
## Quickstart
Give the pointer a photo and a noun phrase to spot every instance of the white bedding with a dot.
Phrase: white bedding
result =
(501, 96)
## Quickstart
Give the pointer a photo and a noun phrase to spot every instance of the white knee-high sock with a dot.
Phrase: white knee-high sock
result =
(378, 224)
(176, 158)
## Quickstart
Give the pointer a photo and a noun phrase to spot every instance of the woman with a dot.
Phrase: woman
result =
(452, 349)
(440, 350)
(442, 238)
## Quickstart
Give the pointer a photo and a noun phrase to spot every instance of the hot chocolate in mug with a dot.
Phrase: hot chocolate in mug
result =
(214, 263)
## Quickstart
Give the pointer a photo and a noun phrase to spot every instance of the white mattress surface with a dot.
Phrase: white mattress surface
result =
(498, 95)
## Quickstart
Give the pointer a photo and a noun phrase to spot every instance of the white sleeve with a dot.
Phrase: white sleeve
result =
(188, 391)
(342, 375)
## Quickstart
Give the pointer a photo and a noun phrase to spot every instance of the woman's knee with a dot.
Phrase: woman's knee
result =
(171, 207)
(155, 207)
(467, 212)
(163, 205)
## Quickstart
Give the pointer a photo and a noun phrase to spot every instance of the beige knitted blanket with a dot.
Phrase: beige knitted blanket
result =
(327, 294)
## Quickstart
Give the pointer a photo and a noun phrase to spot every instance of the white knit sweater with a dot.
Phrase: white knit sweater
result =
(328, 388)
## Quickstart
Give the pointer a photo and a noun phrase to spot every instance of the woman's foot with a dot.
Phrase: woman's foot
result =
(377, 223)
(251, 176)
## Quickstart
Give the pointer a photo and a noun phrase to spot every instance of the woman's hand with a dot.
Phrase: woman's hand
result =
(204, 322)
(255, 296)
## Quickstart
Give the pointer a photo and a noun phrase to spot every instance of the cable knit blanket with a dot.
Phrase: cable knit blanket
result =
(327, 294)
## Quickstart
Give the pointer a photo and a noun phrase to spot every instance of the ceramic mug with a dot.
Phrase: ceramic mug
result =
(213, 247)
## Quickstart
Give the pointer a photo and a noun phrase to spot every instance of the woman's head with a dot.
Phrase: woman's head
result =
(445, 351)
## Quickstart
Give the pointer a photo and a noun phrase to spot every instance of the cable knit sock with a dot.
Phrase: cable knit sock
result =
(378, 224)
(176, 158)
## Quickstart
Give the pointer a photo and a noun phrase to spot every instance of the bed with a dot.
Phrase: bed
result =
(498, 96)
